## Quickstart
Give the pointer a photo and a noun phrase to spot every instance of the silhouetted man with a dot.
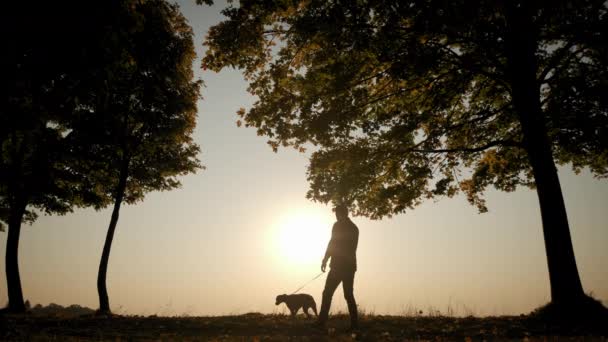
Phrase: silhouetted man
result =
(342, 249)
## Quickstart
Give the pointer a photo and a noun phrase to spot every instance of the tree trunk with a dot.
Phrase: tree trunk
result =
(13, 280)
(521, 45)
(104, 302)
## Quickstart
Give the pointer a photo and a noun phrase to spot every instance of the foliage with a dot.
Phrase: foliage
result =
(62, 69)
(36, 63)
(409, 100)
(143, 109)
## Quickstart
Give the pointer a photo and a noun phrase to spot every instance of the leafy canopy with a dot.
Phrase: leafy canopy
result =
(139, 122)
(409, 100)
(39, 68)
(82, 92)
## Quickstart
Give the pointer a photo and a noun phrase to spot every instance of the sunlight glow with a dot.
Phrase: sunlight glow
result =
(301, 238)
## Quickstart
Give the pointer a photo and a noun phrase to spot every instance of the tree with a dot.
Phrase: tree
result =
(137, 124)
(96, 109)
(410, 100)
(31, 174)
(34, 172)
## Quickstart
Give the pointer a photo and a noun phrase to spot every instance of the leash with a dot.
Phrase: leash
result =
(308, 282)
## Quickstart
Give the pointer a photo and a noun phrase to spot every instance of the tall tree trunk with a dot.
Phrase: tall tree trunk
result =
(565, 283)
(13, 280)
(104, 302)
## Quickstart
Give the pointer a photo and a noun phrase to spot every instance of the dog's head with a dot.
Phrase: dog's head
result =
(280, 299)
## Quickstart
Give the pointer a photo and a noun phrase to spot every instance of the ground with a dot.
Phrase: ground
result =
(259, 327)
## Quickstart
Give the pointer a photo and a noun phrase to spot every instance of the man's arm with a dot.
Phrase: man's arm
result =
(356, 237)
(330, 249)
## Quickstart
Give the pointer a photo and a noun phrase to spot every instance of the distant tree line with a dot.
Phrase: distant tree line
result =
(98, 108)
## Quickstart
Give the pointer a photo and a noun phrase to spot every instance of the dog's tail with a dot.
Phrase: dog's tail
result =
(314, 307)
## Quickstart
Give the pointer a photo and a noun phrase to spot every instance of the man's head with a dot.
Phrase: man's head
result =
(341, 212)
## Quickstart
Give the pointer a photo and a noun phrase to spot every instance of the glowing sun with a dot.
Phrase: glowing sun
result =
(302, 238)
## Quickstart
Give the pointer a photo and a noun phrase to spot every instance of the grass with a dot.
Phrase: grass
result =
(277, 327)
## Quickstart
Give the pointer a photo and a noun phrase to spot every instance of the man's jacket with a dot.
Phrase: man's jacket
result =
(342, 247)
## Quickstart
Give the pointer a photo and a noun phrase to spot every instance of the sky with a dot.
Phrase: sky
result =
(241, 232)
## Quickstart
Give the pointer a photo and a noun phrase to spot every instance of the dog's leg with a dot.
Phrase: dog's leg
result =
(306, 312)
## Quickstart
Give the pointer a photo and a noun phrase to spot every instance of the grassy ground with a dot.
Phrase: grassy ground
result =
(259, 327)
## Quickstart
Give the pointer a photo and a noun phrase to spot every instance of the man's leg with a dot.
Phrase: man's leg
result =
(348, 281)
(331, 283)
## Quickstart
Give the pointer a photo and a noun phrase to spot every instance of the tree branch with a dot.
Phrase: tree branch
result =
(470, 149)
(474, 67)
(481, 116)
(554, 60)
(558, 67)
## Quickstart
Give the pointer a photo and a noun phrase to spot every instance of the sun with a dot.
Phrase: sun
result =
(302, 237)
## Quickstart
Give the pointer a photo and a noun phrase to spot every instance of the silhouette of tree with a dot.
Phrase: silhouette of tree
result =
(137, 128)
(410, 100)
(34, 166)
(97, 109)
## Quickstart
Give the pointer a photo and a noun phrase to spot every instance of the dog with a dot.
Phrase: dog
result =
(296, 301)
